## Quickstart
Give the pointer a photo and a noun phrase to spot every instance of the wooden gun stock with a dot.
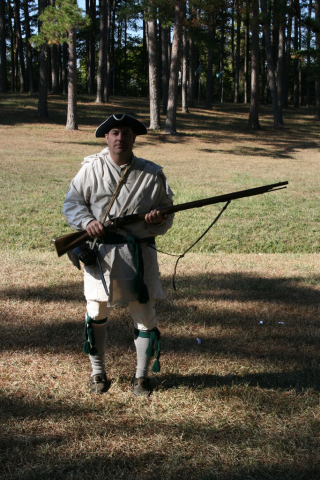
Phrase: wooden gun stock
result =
(72, 240)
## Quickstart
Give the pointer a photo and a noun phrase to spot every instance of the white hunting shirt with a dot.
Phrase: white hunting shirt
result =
(89, 194)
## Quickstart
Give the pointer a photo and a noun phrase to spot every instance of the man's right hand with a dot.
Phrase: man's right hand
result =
(94, 229)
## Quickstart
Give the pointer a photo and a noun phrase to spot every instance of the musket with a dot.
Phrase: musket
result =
(72, 240)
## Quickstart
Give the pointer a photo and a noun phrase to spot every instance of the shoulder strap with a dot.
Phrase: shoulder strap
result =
(114, 196)
(116, 192)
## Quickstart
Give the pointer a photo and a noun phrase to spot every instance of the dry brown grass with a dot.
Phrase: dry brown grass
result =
(244, 404)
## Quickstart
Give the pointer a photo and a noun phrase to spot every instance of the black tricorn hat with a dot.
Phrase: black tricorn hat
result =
(120, 120)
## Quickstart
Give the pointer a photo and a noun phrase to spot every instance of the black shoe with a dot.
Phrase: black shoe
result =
(141, 387)
(98, 383)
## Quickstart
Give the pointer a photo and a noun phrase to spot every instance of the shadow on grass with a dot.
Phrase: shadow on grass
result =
(239, 315)
(166, 458)
(246, 288)
(299, 380)
(209, 126)
(233, 287)
(158, 465)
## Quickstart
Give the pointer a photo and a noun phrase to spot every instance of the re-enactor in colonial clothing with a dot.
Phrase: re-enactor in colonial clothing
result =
(117, 182)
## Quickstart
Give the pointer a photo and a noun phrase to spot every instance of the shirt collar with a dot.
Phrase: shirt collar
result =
(116, 166)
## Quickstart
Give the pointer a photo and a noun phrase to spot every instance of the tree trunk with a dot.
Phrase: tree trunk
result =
(299, 65)
(254, 99)
(30, 83)
(191, 73)
(72, 84)
(3, 49)
(281, 51)
(170, 126)
(22, 70)
(107, 81)
(308, 89)
(16, 63)
(125, 57)
(221, 60)
(277, 111)
(65, 68)
(232, 38)
(237, 72)
(54, 70)
(274, 30)
(288, 57)
(144, 53)
(184, 83)
(49, 70)
(43, 90)
(153, 74)
(317, 83)
(211, 40)
(246, 56)
(263, 69)
(54, 64)
(296, 61)
(102, 52)
(159, 60)
(165, 63)
(112, 40)
(12, 51)
(60, 66)
(87, 46)
(119, 49)
(191, 82)
(91, 47)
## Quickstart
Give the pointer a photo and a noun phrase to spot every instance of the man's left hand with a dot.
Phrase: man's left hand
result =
(154, 217)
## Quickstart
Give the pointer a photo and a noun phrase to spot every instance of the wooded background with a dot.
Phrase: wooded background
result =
(195, 51)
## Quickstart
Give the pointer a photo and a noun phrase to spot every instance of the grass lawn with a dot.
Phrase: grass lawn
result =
(238, 395)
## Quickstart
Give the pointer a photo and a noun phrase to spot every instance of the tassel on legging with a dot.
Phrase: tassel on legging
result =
(146, 342)
(95, 344)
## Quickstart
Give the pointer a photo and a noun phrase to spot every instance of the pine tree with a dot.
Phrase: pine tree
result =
(170, 126)
(60, 24)
(317, 82)
(153, 75)
(22, 70)
(43, 77)
(277, 110)
(3, 52)
(254, 101)
(28, 47)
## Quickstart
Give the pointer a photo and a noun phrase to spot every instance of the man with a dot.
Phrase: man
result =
(118, 183)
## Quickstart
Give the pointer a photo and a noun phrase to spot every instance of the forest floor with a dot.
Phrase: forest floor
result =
(238, 395)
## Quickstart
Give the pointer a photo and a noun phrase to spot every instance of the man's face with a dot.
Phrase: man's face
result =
(120, 141)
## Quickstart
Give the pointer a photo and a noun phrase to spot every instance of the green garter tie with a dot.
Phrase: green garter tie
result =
(154, 336)
(89, 347)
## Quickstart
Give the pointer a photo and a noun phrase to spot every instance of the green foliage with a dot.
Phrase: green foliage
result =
(58, 21)
(312, 23)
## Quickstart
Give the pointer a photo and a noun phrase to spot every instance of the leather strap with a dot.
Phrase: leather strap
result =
(116, 192)
(114, 196)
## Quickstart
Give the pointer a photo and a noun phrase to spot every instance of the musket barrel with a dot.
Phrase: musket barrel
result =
(72, 240)
(223, 198)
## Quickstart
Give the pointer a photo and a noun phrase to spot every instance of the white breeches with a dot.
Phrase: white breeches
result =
(143, 315)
